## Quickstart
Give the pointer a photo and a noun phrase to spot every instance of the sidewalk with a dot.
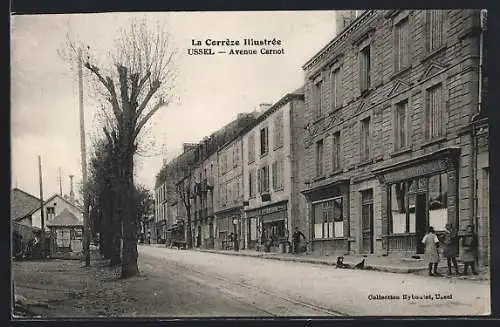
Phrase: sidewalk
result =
(372, 262)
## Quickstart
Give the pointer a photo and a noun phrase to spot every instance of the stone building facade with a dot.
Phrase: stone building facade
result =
(271, 152)
(390, 147)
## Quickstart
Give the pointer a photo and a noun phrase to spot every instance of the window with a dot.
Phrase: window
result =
(63, 237)
(263, 179)
(434, 110)
(317, 98)
(400, 209)
(251, 148)
(365, 139)
(365, 68)
(438, 201)
(224, 162)
(278, 131)
(51, 212)
(277, 170)
(328, 219)
(236, 156)
(336, 151)
(402, 44)
(319, 158)
(401, 128)
(264, 143)
(251, 183)
(336, 88)
(435, 29)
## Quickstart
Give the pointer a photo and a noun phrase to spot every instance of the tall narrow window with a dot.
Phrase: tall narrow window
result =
(401, 128)
(278, 131)
(365, 68)
(336, 151)
(435, 29)
(317, 98)
(250, 184)
(365, 140)
(336, 94)
(251, 147)
(319, 158)
(277, 171)
(402, 44)
(264, 179)
(434, 110)
(264, 143)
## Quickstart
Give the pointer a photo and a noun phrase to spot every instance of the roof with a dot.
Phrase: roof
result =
(52, 198)
(22, 203)
(65, 218)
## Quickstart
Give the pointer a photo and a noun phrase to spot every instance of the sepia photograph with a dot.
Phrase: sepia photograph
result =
(250, 164)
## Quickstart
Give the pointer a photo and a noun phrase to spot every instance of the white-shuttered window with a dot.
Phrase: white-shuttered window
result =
(434, 110)
(277, 171)
(402, 44)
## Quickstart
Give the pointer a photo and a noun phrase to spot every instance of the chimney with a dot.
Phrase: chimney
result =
(71, 192)
(343, 18)
(264, 106)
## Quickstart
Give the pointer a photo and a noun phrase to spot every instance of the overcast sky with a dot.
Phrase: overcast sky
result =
(211, 89)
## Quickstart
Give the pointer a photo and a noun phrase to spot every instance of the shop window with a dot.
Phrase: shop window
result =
(438, 202)
(328, 219)
(402, 207)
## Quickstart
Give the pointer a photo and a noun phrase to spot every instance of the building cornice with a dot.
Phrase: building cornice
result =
(356, 24)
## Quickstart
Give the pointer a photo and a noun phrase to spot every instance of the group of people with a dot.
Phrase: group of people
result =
(450, 249)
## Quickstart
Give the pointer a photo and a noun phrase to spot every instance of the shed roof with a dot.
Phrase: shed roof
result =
(65, 218)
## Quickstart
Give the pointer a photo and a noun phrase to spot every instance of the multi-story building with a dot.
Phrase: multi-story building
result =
(393, 112)
(158, 230)
(229, 208)
(271, 152)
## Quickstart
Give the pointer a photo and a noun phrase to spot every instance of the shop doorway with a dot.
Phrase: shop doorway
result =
(420, 220)
(367, 221)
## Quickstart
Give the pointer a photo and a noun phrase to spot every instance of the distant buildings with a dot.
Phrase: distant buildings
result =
(392, 139)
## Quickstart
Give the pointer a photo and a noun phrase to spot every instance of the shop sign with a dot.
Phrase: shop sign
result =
(415, 171)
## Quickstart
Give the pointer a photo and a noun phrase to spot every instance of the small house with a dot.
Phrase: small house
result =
(66, 231)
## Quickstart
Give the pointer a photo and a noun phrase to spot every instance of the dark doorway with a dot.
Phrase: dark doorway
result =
(367, 221)
(420, 220)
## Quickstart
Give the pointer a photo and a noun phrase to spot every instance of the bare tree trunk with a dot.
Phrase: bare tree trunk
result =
(189, 233)
(129, 263)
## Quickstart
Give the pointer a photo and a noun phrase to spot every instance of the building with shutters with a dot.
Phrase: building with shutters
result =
(271, 152)
(396, 136)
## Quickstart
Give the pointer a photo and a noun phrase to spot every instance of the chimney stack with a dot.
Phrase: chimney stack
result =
(71, 192)
(343, 18)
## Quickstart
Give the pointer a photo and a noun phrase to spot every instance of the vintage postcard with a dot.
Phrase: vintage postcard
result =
(250, 164)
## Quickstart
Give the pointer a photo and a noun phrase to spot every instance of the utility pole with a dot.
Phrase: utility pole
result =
(42, 218)
(86, 236)
(60, 183)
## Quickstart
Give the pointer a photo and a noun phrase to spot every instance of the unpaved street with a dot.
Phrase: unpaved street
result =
(181, 283)
(293, 288)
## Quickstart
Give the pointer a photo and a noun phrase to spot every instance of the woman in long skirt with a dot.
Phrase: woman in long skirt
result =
(431, 242)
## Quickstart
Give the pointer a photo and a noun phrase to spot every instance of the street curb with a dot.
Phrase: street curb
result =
(391, 269)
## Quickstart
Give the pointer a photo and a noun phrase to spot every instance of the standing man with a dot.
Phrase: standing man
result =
(296, 239)
(450, 250)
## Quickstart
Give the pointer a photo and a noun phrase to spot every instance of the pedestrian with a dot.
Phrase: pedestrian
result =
(431, 243)
(450, 249)
(297, 234)
(469, 250)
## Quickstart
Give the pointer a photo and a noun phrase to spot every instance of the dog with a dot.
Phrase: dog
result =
(360, 265)
(340, 263)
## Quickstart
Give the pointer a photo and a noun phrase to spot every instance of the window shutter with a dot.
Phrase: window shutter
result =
(259, 181)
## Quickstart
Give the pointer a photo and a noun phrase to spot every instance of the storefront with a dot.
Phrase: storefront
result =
(328, 212)
(419, 193)
(226, 228)
(268, 224)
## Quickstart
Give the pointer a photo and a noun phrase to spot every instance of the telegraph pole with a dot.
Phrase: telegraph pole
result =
(60, 183)
(42, 218)
(86, 238)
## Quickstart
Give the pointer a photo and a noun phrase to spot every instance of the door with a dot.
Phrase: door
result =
(367, 221)
(420, 220)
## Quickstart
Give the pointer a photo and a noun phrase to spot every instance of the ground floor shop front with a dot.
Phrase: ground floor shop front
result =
(388, 210)
(267, 228)
(228, 229)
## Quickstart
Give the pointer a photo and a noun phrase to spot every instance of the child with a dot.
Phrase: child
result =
(431, 242)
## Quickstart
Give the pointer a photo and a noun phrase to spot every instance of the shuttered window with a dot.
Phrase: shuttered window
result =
(336, 92)
(336, 151)
(251, 147)
(434, 109)
(319, 158)
(435, 29)
(401, 128)
(365, 140)
(317, 98)
(402, 44)
(365, 68)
